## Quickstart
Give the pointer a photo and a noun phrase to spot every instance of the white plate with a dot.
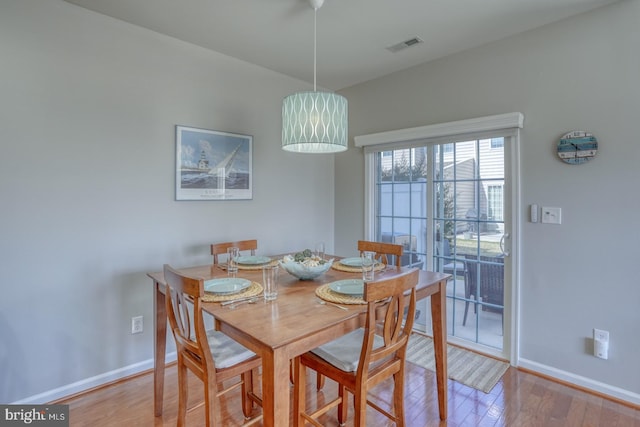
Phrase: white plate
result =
(352, 262)
(351, 287)
(226, 285)
(253, 260)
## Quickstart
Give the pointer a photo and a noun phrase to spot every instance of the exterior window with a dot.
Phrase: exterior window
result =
(496, 202)
(497, 143)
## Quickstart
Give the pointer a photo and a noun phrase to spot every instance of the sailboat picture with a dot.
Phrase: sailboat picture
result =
(213, 165)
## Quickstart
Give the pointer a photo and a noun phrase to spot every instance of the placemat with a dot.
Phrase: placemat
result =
(327, 294)
(256, 267)
(349, 269)
(253, 290)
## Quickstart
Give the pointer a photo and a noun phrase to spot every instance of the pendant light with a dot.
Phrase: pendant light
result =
(314, 122)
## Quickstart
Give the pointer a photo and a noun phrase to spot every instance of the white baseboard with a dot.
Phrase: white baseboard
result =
(89, 383)
(107, 377)
(588, 383)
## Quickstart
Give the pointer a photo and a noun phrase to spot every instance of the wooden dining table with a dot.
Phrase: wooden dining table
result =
(293, 324)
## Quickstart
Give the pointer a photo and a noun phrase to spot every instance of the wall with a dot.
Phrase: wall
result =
(88, 109)
(578, 74)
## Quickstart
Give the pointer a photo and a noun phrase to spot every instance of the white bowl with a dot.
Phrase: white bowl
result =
(304, 272)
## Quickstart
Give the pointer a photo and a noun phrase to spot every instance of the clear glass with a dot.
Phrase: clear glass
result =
(319, 252)
(368, 266)
(232, 255)
(270, 282)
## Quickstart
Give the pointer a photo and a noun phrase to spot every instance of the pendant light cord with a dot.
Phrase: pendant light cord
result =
(315, 37)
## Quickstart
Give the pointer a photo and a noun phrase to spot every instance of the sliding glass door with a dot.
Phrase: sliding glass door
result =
(446, 203)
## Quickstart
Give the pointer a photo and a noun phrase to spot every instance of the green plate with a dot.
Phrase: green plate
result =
(253, 260)
(351, 287)
(352, 262)
(226, 285)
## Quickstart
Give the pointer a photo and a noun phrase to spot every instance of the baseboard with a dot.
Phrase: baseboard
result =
(118, 374)
(93, 382)
(588, 384)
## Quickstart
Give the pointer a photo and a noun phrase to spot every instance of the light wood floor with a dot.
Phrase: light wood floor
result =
(519, 399)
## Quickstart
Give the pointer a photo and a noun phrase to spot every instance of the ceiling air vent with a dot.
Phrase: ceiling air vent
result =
(405, 44)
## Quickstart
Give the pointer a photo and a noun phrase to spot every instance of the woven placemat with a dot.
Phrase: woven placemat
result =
(256, 267)
(327, 294)
(349, 269)
(254, 289)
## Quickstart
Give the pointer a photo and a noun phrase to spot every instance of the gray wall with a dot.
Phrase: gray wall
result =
(88, 108)
(579, 74)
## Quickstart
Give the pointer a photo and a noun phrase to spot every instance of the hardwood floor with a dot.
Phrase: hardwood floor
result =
(519, 399)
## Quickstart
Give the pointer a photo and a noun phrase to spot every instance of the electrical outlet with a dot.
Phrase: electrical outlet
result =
(601, 343)
(137, 325)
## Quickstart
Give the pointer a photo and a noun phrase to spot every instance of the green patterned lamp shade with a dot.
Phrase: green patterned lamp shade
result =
(314, 122)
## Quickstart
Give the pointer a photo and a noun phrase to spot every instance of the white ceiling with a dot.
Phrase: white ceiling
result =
(352, 34)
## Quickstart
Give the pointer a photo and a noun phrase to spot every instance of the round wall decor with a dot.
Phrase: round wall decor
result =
(577, 147)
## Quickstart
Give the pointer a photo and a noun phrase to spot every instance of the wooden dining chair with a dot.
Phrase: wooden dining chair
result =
(242, 245)
(211, 355)
(382, 250)
(365, 357)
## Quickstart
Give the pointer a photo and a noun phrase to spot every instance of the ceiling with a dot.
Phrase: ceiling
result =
(352, 34)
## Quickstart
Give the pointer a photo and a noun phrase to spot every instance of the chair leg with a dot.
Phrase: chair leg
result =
(343, 406)
(398, 398)
(246, 388)
(299, 392)
(211, 402)
(466, 309)
(319, 381)
(360, 415)
(183, 389)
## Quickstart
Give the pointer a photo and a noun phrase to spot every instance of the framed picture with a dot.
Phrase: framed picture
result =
(213, 165)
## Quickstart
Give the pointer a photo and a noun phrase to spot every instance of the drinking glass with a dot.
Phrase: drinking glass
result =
(320, 250)
(270, 281)
(232, 265)
(368, 265)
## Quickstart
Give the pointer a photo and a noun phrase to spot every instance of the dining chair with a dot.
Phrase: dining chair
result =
(382, 250)
(363, 358)
(242, 245)
(211, 355)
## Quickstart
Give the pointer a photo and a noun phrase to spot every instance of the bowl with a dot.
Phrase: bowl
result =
(303, 271)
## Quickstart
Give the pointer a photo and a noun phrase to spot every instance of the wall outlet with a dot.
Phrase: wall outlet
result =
(137, 325)
(601, 343)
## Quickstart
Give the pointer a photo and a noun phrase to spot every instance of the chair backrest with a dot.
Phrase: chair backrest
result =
(183, 299)
(386, 302)
(382, 250)
(242, 245)
(491, 271)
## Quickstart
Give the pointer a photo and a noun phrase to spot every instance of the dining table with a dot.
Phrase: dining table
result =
(295, 322)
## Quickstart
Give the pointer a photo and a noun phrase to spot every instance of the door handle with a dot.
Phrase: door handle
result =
(502, 239)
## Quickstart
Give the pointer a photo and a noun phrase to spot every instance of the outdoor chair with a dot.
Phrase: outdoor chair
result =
(455, 268)
(490, 272)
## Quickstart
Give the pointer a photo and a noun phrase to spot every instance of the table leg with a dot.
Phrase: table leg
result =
(160, 345)
(439, 322)
(275, 389)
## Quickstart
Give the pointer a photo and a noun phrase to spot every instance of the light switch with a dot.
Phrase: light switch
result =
(551, 215)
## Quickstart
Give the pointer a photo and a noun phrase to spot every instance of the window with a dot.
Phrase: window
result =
(496, 202)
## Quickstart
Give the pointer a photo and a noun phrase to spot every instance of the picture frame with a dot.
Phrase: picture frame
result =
(213, 165)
